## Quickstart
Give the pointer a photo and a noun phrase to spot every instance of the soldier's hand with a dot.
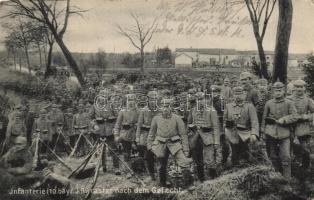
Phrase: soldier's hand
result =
(281, 121)
(117, 139)
(253, 138)
(296, 141)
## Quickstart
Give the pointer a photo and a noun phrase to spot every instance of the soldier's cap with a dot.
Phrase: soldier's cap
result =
(226, 79)
(238, 90)
(43, 111)
(278, 85)
(215, 88)
(200, 95)
(192, 91)
(245, 75)
(299, 83)
(130, 97)
(262, 81)
(152, 94)
(165, 102)
(20, 140)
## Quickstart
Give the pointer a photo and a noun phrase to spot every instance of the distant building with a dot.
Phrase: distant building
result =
(198, 58)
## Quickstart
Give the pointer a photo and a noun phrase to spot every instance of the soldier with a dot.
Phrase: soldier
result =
(16, 127)
(278, 114)
(68, 121)
(57, 121)
(305, 109)
(41, 129)
(226, 91)
(18, 160)
(125, 127)
(251, 93)
(80, 126)
(204, 137)
(143, 125)
(168, 135)
(104, 118)
(263, 96)
(241, 125)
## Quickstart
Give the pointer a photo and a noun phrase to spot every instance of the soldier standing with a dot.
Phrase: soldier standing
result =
(80, 126)
(204, 138)
(125, 127)
(16, 127)
(263, 96)
(226, 91)
(251, 93)
(143, 125)
(305, 109)
(41, 129)
(104, 118)
(167, 136)
(241, 125)
(57, 121)
(278, 114)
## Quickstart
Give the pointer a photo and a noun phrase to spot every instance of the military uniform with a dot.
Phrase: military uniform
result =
(143, 125)
(42, 130)
(81, 123)
(57, 122)
(168, 136)
(305, 108)
(125, 127)
(278, 134)
(251, 92)
(226, 91)
(240, 122)
(204, 139)
(16, 127)
(105, 120)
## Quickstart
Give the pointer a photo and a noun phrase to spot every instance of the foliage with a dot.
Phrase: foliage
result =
(163, 56)
(309, 75)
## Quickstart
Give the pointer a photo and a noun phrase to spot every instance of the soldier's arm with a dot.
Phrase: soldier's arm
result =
(293, 116)
(215, 124)
(265, 114)
(152, 133)
(139, 125)
(253, 120)
(117, 127)
(183, 134)
(190, 117)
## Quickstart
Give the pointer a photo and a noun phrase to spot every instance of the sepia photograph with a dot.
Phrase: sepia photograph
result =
(156, 99)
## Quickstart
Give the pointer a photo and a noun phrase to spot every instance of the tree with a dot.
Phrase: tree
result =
(282, 40)
(259, 9)
(139, 35)
(100, 59)
(163, 56)
(309, 75)
(55, 20)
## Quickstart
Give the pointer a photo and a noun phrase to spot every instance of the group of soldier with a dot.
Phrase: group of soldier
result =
(200, 126)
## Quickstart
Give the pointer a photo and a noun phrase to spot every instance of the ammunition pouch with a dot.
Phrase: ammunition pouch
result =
(111, 119)
(206, 129)
(162, 139)
(192, 127)
(126, 126)
(230, 124)
(270, 121)
(175, 138)
(145, 128)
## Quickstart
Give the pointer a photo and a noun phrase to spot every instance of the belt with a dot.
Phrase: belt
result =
(206, 129)
(175, 138)
(145, 128)
(242, 128)
(126, 126)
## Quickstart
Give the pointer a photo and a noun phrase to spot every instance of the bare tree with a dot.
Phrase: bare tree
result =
(260, 12)
(139, 35)
(55, 19)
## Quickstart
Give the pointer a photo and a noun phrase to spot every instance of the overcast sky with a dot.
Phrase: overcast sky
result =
(179, 27)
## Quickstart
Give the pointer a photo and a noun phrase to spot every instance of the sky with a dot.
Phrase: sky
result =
(181, 24)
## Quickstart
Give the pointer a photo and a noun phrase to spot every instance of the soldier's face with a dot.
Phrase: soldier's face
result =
(262, 87)
(165, 109)
(279, 93)
(245, 82)
(239, 97)
(299, 90)
(226, 83)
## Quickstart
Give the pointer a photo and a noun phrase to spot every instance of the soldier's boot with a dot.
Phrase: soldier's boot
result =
(306, 160)
(187, 178)
(200, 173)
(286, 169)
(162, 178)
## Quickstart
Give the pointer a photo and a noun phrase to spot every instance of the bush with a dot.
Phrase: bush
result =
(309, 75)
